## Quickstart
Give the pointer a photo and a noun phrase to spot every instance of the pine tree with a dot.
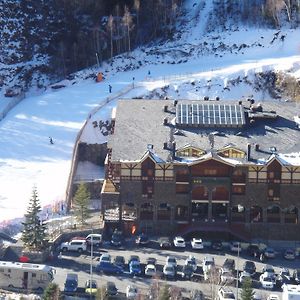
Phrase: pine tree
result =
(52, 292)
(34, 231)
(247, 292)
(81, 202)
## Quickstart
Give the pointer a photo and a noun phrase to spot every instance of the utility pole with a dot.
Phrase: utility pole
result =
(91, 266)
(237, 272)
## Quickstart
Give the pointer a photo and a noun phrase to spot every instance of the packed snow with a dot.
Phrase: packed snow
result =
(224, 66)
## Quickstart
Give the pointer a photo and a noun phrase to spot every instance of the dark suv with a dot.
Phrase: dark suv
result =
(254, 250)
(249, 267)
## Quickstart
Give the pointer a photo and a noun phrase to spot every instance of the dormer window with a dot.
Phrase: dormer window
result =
(232, 153)
(190, 151)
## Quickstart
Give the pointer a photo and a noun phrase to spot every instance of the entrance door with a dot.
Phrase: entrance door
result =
(25, 280)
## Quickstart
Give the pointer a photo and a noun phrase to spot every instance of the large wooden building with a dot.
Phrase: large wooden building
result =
(205, 166)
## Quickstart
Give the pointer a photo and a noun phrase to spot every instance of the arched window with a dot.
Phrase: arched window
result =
(256, 214)
(273, 214)
(164, 212)
(146, 212)
(200, 193)
(238, 213)
(291, 215)
(181, 213)
(220, 193)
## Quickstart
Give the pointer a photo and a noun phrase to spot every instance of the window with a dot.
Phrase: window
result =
(271, 175)
(182, 188)
(210, 172)
(150, 172)
(238, 189)
(149, 189)
(270, 192)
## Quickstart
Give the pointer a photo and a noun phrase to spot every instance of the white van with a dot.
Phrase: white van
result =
(94, 238)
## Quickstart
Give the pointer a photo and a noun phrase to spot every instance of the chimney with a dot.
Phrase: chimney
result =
(173, 149)
(217, 98)
(240, 102)
(256, 147)
(166, 108)
(165, 121)
(175, 102)
(165, 146)
(248, 152)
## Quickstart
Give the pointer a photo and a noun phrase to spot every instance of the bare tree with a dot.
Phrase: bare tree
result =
(127, 21)
(137, 6)
(110, 26)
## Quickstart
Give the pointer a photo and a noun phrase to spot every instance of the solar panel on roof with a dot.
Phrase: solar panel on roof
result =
(210, 115)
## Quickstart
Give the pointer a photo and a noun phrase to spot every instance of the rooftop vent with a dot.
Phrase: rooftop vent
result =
(256, 147)
(175, 102)
(150, 147)
(166, 108)
(165, 145)
(165, 121)
(248, 152)
(217, 98)
(206, 98)
(273, 149)
(240, 102)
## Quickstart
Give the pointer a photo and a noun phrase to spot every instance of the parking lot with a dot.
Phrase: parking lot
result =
(73, 262)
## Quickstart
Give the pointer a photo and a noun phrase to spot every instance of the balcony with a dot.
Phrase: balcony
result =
(238, 179)
(211, 180)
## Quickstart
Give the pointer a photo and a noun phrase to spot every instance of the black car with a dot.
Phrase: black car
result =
(142, 240)
(116, 239)
(165, 243)
(296, 276)
(229, 265)
(249, 267)
(111, 289)
(187, 272)
(119, 261)
(254, 250)
(216, 245)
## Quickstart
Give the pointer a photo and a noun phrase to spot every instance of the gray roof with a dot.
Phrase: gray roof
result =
(140, 123)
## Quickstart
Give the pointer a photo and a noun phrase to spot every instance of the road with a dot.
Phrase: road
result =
(80, 264)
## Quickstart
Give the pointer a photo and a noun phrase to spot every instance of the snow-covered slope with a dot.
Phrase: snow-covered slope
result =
(223, 64)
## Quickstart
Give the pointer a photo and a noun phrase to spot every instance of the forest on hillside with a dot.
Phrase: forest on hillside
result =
(42, 40)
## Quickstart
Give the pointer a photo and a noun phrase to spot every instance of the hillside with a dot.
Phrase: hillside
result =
(236, 63)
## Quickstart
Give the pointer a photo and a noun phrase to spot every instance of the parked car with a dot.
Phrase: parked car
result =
(169, 271)
(150, 270)
(224, 293)
(273, 297)
(133, 258)
(229, 265)
(226, 276)
(119, 261)
(91, 287)
(254, 250)
(131, 292)
(74, 245)
(267, 280)
(270, 270)
(289, 254)
(135, 268)
(187, 272)
(165, 243)
(117, 239)
(284, 277)
(109, 268)
(105, 257)
(296, 276)
(142, 240)
(197, 244)
(171, 260)
(245, 276)
(111, 289)
(249, 267)
(217, 245)
(269, 252)
(71, 283)
(235, 247)
(208, 263)
(179, 242)
(151, 261)
(94, 238)
(191, 260)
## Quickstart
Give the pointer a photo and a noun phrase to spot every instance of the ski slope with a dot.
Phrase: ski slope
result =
(181, 69)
